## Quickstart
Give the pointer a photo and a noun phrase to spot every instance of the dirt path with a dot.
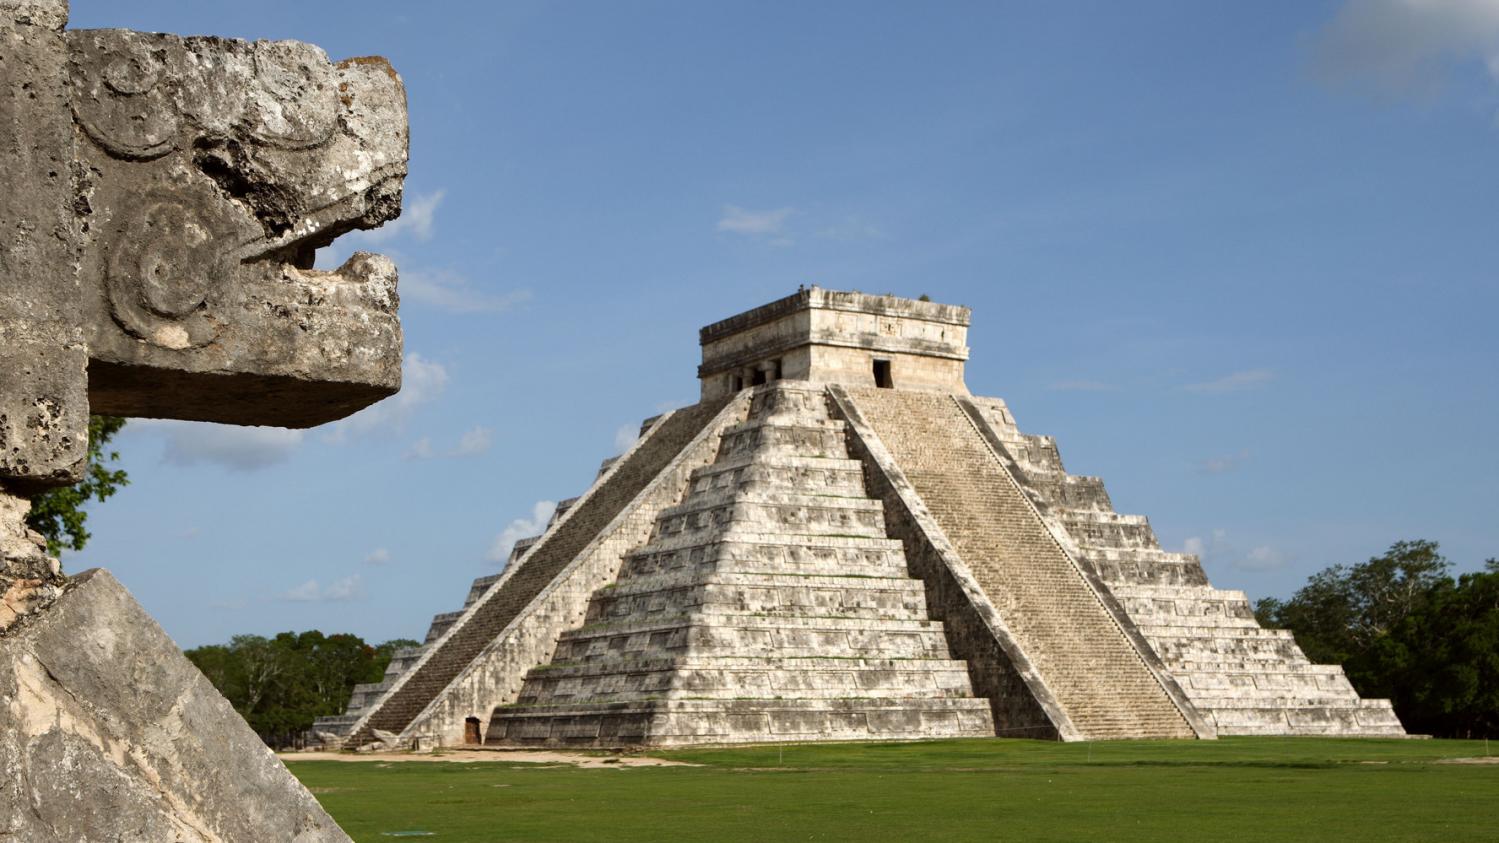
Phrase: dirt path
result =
(468, 756)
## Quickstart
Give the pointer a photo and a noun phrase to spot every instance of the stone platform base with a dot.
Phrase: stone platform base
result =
(716, 722)
(107, 732)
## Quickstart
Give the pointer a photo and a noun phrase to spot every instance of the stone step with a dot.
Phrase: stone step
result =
(739, 677)
(1368, 718)
(786, 513)
(867, 639)
(1186, 633)
(479, 586)
(1144, 566)
(733, 557)
(440, 625)
(1231, 666)
(781, 471)
(871, 599)
(746, 539)
(820, 439)
(1070, 493)
(708, 722)
(1108, 529)
(1160, 612)
(777, 579)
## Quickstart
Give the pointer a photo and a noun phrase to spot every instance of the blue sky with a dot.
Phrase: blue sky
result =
(1240, 259)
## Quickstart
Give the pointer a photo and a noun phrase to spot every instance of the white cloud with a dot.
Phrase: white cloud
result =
(305, 593)
(378, 556)
(1224, 464)
(474, 442)
(1236, 382)
(737, 220)
(417, 221)
(422, 381)
(451, 291)
(421, 449)
(1217, 548)
(625, 437)
(1400, 46)
(250, 448)
(1082, 386)
(229, 446)
(1203, 548)
(1262, 558)
(338, 591)
(541, 513)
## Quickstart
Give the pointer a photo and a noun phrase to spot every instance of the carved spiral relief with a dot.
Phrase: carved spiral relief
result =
(124, 106)
(297, 98)
(162, 272)
(141, 96)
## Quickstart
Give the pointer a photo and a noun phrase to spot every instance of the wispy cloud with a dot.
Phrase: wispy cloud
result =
(451, 291)
(1400, 46)
(228, 446)
(339, 591)
(422, 381)
(1262, 558)
(737, 220)
(1201, 547)
(378, 556)
(472, 443)
(418, 221)
(1082, 386)
(625, 436)
(1236, 382)
(1217, 548)
(541, 513)
(1223, 464)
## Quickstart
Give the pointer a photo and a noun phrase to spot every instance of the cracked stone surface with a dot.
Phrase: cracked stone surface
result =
(112, 734)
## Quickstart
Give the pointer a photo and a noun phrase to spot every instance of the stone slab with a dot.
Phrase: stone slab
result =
(107, 732)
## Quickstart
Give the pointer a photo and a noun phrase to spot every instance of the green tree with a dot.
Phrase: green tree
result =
(58, 514)
(281, 684)
(1405, 630)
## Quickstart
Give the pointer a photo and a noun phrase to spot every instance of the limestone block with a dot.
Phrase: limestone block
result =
(110, 733)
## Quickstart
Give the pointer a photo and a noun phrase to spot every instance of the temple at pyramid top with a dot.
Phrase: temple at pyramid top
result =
(828, 336)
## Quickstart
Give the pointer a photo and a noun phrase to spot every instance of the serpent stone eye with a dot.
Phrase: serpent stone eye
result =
(162, 272)
(134, 73)
(296, 104)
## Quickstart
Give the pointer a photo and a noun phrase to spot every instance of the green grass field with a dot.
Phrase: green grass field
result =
(1236, 789)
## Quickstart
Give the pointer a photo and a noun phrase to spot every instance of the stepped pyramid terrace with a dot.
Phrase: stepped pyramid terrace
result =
(839, 542)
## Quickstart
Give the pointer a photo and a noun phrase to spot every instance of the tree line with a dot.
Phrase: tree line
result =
(281, 684)
(1405, 629)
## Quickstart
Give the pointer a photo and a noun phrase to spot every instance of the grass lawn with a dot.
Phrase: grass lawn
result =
(1235, 789)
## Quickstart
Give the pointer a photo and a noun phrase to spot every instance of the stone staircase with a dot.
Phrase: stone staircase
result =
(767, 605)
(1080, 649)
(576, 523)
(1247, 679)
(368, 693)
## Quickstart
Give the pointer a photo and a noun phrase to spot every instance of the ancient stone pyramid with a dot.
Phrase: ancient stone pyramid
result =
(840, 542)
